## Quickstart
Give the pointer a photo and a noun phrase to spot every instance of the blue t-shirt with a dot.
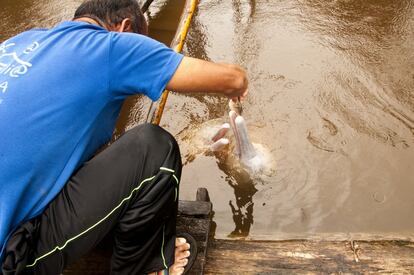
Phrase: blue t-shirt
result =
(61, 91)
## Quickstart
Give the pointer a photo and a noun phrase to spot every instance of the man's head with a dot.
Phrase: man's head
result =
(115, 15)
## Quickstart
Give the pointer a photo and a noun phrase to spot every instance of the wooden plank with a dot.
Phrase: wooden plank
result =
(202, 195)
(199, 229)
(198, 225)
(310, 257)
(194, 208)
(336, 237)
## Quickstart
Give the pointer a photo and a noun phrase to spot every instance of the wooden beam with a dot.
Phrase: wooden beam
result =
(194, 208)
(310, 257)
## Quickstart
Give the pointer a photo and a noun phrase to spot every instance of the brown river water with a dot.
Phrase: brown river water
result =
(331, 101)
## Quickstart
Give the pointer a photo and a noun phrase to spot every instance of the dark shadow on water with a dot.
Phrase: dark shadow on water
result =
(242, 206)
(244, 189)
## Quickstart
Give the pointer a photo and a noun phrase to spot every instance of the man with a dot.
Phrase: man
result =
(61, 91)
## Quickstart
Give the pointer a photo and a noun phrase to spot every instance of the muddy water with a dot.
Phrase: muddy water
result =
(331, 100)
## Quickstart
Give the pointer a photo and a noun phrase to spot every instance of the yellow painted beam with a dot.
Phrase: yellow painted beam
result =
(178, 41)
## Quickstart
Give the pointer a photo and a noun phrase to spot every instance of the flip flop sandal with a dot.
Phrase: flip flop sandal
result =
(193, 250)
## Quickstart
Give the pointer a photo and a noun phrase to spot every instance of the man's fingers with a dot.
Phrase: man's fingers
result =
(240, 98)
(245, 94)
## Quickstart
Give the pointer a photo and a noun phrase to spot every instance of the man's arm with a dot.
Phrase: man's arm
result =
(199, 76)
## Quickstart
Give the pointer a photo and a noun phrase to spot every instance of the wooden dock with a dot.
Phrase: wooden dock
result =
(195, 218)
(310, 257)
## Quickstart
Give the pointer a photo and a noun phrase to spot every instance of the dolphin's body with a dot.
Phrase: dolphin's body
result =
(238, 152)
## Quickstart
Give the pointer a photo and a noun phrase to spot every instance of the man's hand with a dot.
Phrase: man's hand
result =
(199, 76)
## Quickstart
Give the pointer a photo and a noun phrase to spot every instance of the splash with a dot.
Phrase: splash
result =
(251, 156)
(228, 139)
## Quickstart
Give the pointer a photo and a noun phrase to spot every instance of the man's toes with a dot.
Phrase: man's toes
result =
(177, 270)
(182, 252)
(178, 253)
(180, 241)
(182, 255)
(182, 263)
(182, 247)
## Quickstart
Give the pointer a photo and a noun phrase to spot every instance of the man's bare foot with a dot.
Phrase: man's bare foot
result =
(182, 252)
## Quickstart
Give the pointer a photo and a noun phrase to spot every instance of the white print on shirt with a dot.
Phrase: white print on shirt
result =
(31, 48)
(3, 86)
(4, 46)
(11, 65)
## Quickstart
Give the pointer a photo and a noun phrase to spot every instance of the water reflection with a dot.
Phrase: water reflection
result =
(372, 20)
(369, 34)
(244, 189)
(239, 179)
(18, 16)
(197, 40)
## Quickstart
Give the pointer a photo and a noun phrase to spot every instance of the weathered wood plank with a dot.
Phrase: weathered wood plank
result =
(199, 229)
(310, 257)
(194, 208)
(198, 224)
(202, 195)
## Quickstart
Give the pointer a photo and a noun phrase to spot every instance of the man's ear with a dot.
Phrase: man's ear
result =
(126, 25)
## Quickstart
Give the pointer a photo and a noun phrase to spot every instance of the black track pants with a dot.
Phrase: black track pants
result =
(130, 189)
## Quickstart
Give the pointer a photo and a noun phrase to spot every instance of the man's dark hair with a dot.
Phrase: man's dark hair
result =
(112, 12)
